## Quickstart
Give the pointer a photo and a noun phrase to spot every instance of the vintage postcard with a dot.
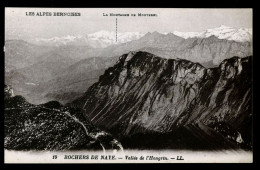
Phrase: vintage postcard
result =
(128, 85)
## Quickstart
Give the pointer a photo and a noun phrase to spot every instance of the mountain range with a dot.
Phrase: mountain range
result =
(222, 32)
(102, 39)
(202, 50)
(64, 71)
(107, 90)
(99, 39)
(145, 102)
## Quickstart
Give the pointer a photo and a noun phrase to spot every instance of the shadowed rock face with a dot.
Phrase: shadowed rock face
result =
(144, 93)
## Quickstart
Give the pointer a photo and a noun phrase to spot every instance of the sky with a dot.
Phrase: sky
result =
(20, 26)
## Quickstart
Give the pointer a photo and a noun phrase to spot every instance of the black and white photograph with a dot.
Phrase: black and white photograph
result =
(128, 85)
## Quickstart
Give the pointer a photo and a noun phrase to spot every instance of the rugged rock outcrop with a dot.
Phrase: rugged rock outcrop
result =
(50, 126)
(144, 94)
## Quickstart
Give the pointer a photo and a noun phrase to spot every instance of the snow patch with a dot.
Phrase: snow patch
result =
(33, 84)
(100, 39)
(222, 32)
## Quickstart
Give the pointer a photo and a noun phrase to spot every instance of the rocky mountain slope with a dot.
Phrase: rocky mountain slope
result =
(20, 54)
(73, 81)
(144, 94)
(29, 68)
(64, 85)
(50, 126)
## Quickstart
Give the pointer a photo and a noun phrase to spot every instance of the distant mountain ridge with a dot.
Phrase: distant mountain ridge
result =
(170, 46)
(222, 32)
(103, 39)
(100, 39)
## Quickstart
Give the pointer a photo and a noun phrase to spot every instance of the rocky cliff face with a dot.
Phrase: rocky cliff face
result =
(144, 94)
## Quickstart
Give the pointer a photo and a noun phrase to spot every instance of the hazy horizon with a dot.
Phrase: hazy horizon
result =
(20, 26)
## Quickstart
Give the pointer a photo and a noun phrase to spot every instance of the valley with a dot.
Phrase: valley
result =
(150, 91)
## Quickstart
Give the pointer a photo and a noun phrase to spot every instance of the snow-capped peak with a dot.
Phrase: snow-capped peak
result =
(222, 32)
(98, 39)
